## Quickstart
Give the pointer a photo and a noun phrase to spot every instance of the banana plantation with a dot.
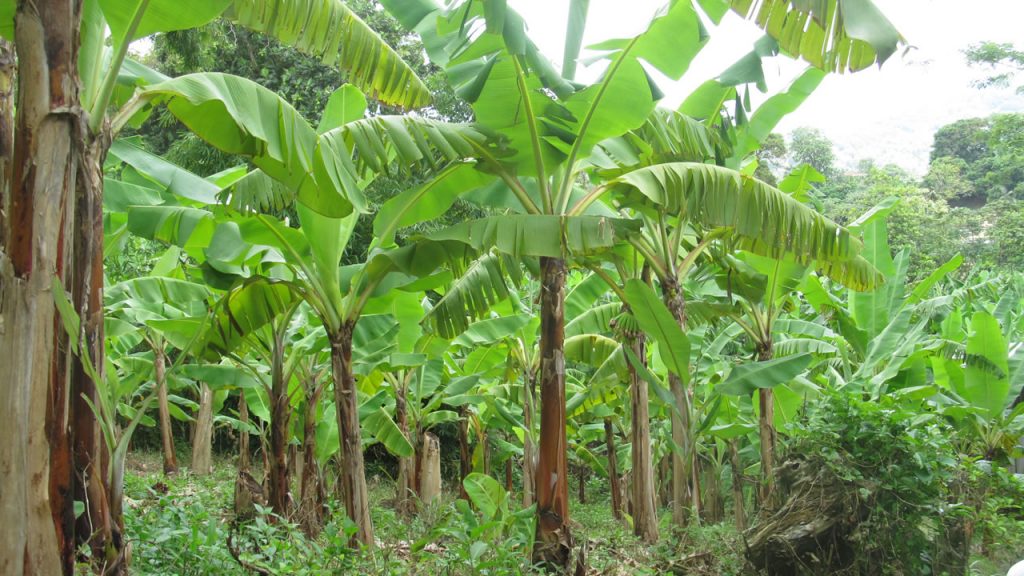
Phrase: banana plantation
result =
(563, 329)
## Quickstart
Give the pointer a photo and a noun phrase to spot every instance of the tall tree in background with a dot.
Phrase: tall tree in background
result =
(1002, 58)
(810, 146)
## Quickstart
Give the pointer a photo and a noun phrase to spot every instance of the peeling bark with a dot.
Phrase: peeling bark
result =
(645, 512)
(38, 187)
(408, 477)
(529, 457)
(766, 426)
(244, 458)
(737, 487)
(166, 437)
(202, 462)
(352, 473)
(430, 469)
(280, 414)
(312, 494)
(613, 469)
(554, 543)
(465, 464)
(685, 479)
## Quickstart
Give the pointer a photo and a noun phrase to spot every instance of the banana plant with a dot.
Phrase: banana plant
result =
(146, 303)
(84, 44)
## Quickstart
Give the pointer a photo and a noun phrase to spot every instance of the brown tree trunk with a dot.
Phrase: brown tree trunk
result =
(554, 543)
(508, 475)
(737, 487)
(766, 424)
(312, 494)
(244, 458)
(429, 486)
(166, 439)
(529, 457)
(202, 461)
(352, 474)
(35, 249)
(98, 528)
(280, 414)
(685, 482)
(613, 468)
(465, 464)
(408, 483)
(645, 512)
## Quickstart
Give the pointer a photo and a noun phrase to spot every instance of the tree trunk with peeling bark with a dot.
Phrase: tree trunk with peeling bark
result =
(408, 484)
(352, 474)
(98, 527)
(429, 486)
(766, 425)
(244, 458)
(312, 493)
(465, 464)
(50, 199)
(613, 468)
(280, 415)
(529, 459)
(202, 461)
(166, 438)
(645, 511)
(737, 487)
(685, 478)
(554, 543)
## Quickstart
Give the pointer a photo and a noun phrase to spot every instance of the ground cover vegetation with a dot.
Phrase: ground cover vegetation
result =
(320, 287)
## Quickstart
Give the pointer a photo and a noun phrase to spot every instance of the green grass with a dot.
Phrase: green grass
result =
(180, 526)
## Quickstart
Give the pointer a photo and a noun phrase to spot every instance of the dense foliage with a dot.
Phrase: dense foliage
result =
(288, 264)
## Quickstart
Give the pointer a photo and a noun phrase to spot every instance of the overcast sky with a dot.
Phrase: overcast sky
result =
(888, 114)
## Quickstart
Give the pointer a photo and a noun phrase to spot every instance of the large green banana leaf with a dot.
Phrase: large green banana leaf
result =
(771, 222)
(834, 35)
(987, 387)
(659, 324)
(330, 31)
(746, 378)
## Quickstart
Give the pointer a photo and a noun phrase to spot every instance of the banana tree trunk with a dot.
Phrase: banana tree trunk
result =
(38, 189)
(244, 458)
(97, 528)
(737, 487)
(465, 464)
(407, 484)
(202, 462)
(529, 457)
(429, 485)
(766, 425)
(645, 513)
(312, 493)
(613, 468)
(352, 472)
(554, 543)
(685, 479)
(508, 474)
(280, 414)
(166, 439)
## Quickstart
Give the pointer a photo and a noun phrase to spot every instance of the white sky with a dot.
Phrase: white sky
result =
(888, 115)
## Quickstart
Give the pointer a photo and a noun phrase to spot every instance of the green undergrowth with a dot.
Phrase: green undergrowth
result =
(180, 525)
